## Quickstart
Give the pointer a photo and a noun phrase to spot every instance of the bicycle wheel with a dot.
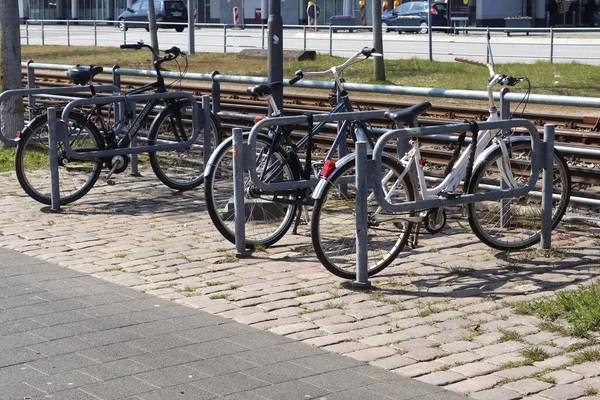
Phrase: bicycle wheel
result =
(333, 223)
(181, 169)
(267, 220)
(515, 223)
(32, 161)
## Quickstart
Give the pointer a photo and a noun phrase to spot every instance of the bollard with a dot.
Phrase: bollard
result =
(95, 34)
(330, 41)
(238, 192)
(505, 215)
(68, 34)
(551, 45)
(224, 38)
(43, 39)
(362, 273)
(236, 17)
(53, 154)
(547, 182)
(304, 36)
(27, 32)
(207, 133)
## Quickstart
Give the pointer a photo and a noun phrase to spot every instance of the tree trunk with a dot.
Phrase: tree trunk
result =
(378, 40)
(153, 28)
(11, 111)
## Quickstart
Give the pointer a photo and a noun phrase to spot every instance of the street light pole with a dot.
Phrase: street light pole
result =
(275, 59)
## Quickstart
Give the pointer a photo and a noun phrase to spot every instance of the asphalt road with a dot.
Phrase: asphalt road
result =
(582, 47)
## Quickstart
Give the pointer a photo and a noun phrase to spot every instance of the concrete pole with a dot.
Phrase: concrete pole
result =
(348, 7)
(275, 59)
(378, 40)
(74, 9)
(264, 11)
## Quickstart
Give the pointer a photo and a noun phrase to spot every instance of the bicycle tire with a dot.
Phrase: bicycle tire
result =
(32, 160)
(522, 225)
(266, 221)
(180, 169)
(333, 222)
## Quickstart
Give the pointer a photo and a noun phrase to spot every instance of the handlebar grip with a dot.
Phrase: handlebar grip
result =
(368, 51)
(173, 50)
(295, 79)
(131, 46)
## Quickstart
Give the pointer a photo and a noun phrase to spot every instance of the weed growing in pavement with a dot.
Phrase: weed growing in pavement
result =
(585, 356)
(579, 307)
(460, 271)
(234, 286)
(508, 335)
(113, 269)
(535, 354)
(516, 364)
(184, 257)
(214, 283)
(219, 296)
(259, 248)
(590, 391)
(121, 255)
(548, 379)
(304, 292)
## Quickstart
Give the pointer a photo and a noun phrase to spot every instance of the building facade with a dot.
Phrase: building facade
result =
(481, 12)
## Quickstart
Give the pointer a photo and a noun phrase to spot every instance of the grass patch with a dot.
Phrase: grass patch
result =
(7, 159)
(235, 286)
(184, 257)
(590, 391)
(460, 271)
(228, 258)
(508, 335)
(304, 292)
(306, 251)
(516, 364)
(113, 269)
(215, 283)
(219, 296)
(428, 310)
(585, 356)
(535, 354)
(121, 255)
(580, 308)
(548, 379)
(259, 248)
(330, 305)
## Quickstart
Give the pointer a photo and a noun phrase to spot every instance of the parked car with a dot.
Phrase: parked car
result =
(166, 11)
(414, 13)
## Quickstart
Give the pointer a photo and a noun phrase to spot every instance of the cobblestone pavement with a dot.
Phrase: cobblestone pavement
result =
(441, 314)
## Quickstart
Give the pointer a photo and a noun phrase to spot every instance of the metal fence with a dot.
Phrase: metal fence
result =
(524, 44)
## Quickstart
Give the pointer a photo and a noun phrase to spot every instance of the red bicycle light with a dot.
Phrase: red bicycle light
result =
(258, 119)
(328, 167)
(19, 134)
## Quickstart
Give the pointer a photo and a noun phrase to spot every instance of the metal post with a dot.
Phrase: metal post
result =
(487, 49)
(43, 41)
(262, 35)
(505, 214)
(362, 272)
(191, 26)
(27, 31)
(330, 41)
(131, 111)
(547, 182)
(52, 150)
(68, 34)
(429, 30)
(30, 84)
(224, 38)
(551, 45)
(207, 133)
(238, 193)
(125, 36)
(216, 95)
(95, 34)
(304, 35)
(275, 58)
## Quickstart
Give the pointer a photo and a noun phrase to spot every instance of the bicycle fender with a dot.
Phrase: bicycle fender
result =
(213, 157)
(493, 147)
(318, 191)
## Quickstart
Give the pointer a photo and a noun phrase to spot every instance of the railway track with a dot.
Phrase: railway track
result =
(571, 130)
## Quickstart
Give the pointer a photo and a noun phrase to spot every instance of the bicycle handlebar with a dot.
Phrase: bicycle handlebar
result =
(174, 51)
(479, 63)
(366, 51)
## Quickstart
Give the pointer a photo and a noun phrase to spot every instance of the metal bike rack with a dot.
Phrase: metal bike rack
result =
(48, 91)
(58, 132)
(541, 158)
(244, 159)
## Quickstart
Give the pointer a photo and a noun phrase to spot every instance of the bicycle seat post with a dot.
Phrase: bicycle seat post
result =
(275, 112)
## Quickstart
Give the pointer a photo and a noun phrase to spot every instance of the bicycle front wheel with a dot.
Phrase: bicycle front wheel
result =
(333, 223)
(515, 223)
(267, 220)
(180, 169)
(75, 177)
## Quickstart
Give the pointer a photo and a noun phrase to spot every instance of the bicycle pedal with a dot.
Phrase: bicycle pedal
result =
(451, 195)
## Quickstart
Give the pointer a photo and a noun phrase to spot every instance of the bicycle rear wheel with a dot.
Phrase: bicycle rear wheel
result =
(333, 222)
(180, 169)
(267, 220)
(515, 223)
(32, 161)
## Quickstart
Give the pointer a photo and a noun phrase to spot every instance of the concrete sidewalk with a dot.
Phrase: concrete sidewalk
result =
(66, 335)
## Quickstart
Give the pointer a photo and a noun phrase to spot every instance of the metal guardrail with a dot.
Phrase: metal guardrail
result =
(547, 41)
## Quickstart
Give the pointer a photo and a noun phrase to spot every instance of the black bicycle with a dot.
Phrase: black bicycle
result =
(94, 129)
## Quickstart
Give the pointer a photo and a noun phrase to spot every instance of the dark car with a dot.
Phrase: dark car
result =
(414, 13)
(166, 11)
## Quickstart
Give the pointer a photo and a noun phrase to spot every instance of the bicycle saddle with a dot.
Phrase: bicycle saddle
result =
(264, 89)
(408, 115)
(83, 75)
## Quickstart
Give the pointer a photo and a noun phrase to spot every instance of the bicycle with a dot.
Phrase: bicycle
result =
(492, 160)
(269, 215)
(180, 169)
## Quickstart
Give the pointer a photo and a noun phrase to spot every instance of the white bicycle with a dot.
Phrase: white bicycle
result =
(498, 160)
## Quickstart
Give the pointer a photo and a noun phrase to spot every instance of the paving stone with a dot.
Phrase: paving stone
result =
(589, 383)
(419, 369)
(564, 376)
(475, 369)
(500, 348)
(519, 372)
(459, 346)
(587, 369)
(441, 378)
(563, 392)
(426, 354)
(392, 362)
(373, 353)
(553, 362)
(496, 394)
(528, 386)
(476, 384)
